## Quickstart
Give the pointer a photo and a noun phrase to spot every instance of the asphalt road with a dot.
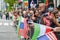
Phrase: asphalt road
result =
(7, 31)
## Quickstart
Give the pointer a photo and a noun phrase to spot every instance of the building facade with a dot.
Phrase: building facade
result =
(2, 5)
(55, 2)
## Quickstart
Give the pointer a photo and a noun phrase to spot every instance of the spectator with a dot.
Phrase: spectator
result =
(47, 18)
(24, 14)
(56, 16)
(7, 16)
(37, 16)
(1, 14)
(42, 10)
(51, 4)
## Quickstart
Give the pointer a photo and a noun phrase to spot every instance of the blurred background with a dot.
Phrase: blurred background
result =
(5, 4)
(20, 18)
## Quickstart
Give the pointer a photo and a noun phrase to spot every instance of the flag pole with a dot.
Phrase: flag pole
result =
(37, 1)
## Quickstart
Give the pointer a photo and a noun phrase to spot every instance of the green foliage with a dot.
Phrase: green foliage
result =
(10, 2)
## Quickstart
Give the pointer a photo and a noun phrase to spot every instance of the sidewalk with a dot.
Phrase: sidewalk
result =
(7, 32)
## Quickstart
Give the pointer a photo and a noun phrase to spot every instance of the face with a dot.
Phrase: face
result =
(57, 15)
(37, 13)
(56, 9)
(41, 7)
(27, 10)
(32, 12)
(24, 13)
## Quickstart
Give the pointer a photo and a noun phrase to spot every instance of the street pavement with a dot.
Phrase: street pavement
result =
(7, 31)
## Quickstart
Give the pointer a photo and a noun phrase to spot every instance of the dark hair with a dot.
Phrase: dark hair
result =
(15, 12)
(37, 6)
(45, 15)
(54, 12)
(18, 13)
(58, 7)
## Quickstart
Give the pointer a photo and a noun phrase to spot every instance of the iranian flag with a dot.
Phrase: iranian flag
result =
(46, 2)
(42, 32)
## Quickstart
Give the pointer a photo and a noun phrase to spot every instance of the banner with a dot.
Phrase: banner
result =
(25, 2)
(46, 2)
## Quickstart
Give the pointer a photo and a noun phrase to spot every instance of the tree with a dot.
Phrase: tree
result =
(10, 2)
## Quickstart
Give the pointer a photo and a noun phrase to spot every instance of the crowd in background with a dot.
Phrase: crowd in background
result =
(41, 14)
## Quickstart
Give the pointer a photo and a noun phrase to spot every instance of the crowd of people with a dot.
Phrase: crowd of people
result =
(49, 16)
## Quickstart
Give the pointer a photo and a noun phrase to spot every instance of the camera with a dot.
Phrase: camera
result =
(28, 16)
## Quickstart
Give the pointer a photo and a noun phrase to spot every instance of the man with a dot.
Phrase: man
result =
(7, 16)
(42, 10)
(1, 15)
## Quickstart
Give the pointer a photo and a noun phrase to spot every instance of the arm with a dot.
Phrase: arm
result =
(54, 20)
(56, 29)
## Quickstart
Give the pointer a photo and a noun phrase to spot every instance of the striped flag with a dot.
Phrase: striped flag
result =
(46, 2)
(48, 36)
(43, 32)
(23, 28)
(18, 28)
(51, 36)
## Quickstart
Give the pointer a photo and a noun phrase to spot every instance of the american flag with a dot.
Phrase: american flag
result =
(51, 36)
(23, 28)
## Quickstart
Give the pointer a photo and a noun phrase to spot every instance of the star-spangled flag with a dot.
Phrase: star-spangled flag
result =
(48, 36)
(23, 28)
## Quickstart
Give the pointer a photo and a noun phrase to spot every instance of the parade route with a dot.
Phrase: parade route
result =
(7, 31)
